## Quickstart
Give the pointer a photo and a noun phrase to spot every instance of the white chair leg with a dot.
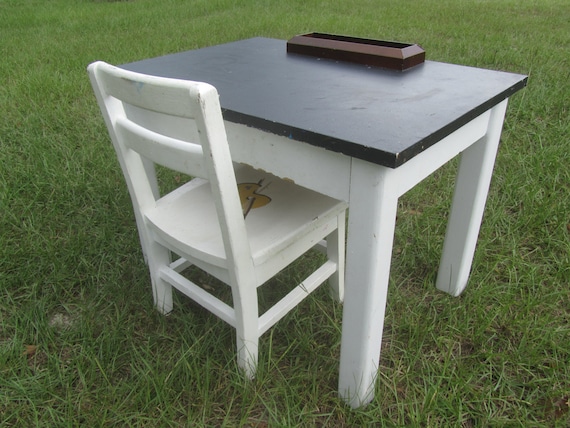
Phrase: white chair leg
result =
(335, 253)
(159, 256)
(247, 353)
(247, 330)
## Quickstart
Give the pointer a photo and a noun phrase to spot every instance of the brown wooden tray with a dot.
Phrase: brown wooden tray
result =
(380, 53)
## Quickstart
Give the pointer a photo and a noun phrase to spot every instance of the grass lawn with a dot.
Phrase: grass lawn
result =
(80, 342)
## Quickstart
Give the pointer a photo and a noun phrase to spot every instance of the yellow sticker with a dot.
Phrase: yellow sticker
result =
(249, 197)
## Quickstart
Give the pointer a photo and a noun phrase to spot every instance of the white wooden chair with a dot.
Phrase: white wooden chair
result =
(241, 237)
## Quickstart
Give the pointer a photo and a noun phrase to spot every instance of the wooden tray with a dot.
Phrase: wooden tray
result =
(380, 53)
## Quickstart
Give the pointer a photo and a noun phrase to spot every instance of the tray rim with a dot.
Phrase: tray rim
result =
(373, 52)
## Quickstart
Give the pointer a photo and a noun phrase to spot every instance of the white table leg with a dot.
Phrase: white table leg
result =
(372, 218)
(471, 189)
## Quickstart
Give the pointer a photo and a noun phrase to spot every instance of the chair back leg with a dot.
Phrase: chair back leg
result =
(247, 327)
(159, 257)
(335, 253)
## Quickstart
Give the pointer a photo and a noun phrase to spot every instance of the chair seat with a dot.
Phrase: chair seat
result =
(186, 218)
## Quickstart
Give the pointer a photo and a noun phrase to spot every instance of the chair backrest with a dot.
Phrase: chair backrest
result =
(177, 124)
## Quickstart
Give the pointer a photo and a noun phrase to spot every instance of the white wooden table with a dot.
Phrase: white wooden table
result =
(367, 136)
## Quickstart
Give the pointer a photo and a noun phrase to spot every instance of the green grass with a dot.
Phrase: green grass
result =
(74, 285)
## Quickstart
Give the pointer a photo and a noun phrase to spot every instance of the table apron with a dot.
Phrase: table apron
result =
(309, 166)
(328, 172)
(422, 166)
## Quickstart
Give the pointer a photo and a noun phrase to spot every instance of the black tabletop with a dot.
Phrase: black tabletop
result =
(379, 115)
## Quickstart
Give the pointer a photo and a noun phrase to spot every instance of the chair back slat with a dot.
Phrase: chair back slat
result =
(181, 128)
(170, 152)
(150, 93)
